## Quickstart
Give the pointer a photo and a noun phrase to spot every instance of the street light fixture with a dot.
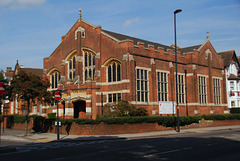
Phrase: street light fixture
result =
(176, 79)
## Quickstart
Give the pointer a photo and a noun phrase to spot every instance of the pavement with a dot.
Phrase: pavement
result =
(19, 135)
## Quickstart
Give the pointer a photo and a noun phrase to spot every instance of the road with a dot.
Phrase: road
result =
(221, 145)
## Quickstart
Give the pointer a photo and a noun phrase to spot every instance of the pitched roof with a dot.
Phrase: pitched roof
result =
(227, 57)
(35, 71)
(190, 48)
(122, 37)
(233, 77)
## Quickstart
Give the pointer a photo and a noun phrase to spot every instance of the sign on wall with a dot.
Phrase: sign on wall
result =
(167, 107)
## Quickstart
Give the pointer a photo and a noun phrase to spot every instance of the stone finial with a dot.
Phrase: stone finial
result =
(80, 15)
(207, 35)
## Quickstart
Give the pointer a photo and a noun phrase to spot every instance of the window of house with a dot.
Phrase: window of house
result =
(232, 85)
(217, 91)
(114, 72)
(162, 86)
(142, 85)
(89, 65)
(72, 68)
(55, 78)
(202, 90)
(181, 89)
(115, 97)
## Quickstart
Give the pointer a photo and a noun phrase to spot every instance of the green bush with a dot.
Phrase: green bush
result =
(86, 121)
(51, 115)
(234, 110)
(20, 118)
(66, 121)
(187, 120)
(123, 109)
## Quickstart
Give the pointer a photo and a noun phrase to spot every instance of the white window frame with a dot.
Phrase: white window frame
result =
(181, 95)
(217, 91)
(202, 89)
(162, 85)
(142, 91)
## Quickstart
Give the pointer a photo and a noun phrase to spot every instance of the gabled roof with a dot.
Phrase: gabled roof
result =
(233, 77)
(34, 71)
(227, 57)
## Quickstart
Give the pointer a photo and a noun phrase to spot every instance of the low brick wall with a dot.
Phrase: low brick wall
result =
(18, 126)
(104, 129)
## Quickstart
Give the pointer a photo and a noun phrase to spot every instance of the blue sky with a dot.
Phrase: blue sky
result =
(32, 29)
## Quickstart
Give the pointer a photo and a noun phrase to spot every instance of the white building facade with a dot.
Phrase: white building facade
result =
(231, 65)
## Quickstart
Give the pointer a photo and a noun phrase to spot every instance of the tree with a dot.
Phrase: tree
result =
(1, 75)
(29, 88)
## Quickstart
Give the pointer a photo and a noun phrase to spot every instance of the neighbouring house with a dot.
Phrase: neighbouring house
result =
(18, 106)
(93, 67)
(7, 77)
(231, 65)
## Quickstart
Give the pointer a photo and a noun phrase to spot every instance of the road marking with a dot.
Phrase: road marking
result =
(165, 152)
(187, 148)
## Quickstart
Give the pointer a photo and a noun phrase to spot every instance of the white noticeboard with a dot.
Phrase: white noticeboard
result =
(167, 107)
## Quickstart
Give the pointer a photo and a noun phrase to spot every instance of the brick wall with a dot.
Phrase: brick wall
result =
(104, 129)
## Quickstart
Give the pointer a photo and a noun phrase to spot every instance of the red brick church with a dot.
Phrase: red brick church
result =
(94, 67)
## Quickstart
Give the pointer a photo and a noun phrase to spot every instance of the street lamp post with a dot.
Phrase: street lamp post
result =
(175, 36)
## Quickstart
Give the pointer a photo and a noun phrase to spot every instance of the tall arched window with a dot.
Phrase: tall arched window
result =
(72, 68)
(89, 65)
(55, 78)
(114, 72)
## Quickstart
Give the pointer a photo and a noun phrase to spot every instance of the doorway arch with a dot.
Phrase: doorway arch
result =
(79, 107)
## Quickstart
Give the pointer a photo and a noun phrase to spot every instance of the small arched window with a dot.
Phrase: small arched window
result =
(72, 68)
(114, 72)
(89, 65)
(55, 78)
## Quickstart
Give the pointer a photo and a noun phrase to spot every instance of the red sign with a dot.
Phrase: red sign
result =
(2, 89)
(58, 96)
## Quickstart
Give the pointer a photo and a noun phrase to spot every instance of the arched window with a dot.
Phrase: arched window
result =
(55, 78)
(89, 65)
(109, 73)
(72, 68)
(114, 72)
